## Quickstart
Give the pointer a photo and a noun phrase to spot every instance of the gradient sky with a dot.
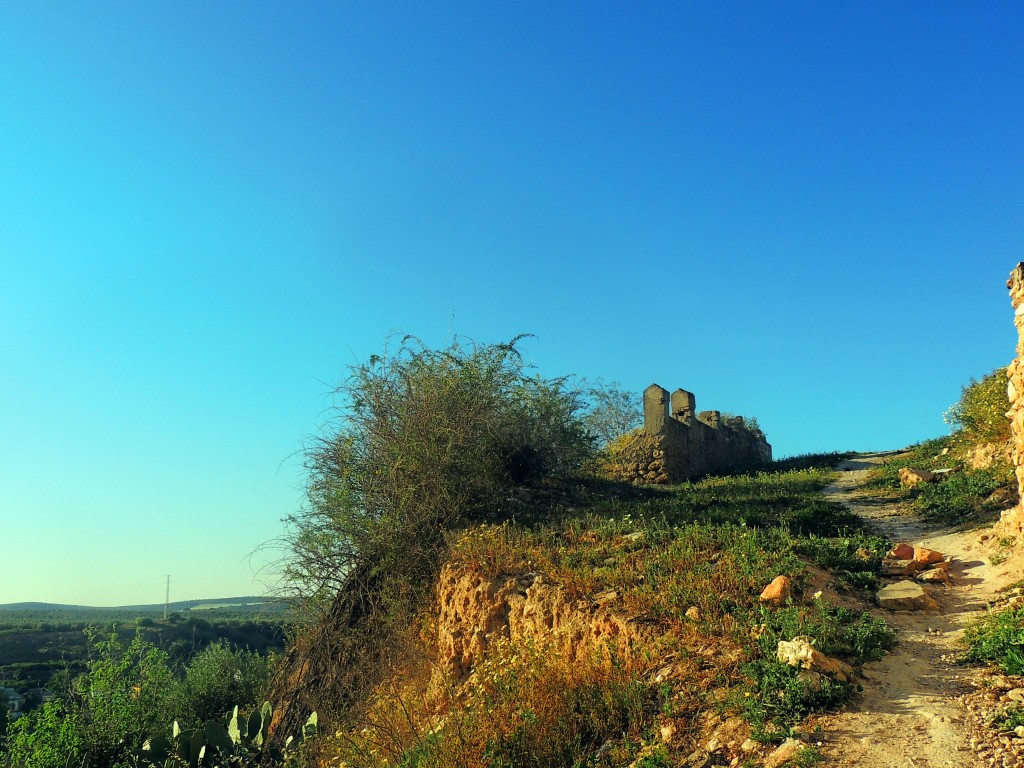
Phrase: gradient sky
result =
(804, 212)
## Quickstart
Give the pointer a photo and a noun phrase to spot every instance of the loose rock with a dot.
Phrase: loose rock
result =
(905, 596)
(910, 478)
(778, 592)
(799, 652)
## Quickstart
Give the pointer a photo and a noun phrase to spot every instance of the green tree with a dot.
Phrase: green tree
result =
(612, 412)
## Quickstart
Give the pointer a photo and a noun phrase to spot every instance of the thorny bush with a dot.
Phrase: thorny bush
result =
(423, 441)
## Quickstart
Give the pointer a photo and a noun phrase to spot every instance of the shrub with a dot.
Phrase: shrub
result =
(423, 441)
(980, 414)
(45, 738)
(612, 412)
(217, 679)
(105, 715)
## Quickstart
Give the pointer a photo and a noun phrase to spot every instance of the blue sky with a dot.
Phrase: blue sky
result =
(804, 213)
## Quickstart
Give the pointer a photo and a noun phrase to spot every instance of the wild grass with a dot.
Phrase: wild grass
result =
(998, 637)
(965, 497)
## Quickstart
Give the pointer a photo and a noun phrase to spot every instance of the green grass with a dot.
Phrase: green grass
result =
(965, 497)
(998, 637)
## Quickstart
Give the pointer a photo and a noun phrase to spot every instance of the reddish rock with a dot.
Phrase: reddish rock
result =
(902, 551)
(927, 556)
(778, 592)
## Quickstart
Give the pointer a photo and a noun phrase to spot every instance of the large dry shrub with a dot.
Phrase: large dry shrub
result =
(422, 441)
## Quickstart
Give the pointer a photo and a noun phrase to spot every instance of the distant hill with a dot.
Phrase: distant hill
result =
(247, 604)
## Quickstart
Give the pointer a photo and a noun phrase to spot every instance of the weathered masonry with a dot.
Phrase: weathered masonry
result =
(678, 444)
(1012, 521)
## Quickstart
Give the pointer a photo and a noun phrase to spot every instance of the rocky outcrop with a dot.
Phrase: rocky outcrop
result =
(475, 610)
(1012, 520)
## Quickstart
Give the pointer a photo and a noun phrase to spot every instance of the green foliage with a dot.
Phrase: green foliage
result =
(47, 738)
(215, 679)
(1009, 718)
(962, 497)
(780, 698)
(425, 440)
(998, 637)
(125, 694)
(612, 412)
(980, 414)
(856, 636)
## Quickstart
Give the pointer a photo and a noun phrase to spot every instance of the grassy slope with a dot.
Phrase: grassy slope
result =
(712, 545)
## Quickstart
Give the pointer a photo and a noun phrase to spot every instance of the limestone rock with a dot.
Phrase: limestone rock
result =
(910, 478)
(778, 592)
(905, 596)
(785, 752)
(799, 652)
(900, 567)
(934, 576)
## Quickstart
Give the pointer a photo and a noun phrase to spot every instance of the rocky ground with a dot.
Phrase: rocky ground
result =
(919, 707)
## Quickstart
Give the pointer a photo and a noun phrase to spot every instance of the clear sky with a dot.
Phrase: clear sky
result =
(801, 211)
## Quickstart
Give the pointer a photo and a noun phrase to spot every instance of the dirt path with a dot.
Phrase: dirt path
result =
(918, 707)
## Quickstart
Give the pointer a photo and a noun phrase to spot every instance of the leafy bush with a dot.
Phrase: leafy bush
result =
(217, 679)
(980, 414)
(127, 694)
(45, 738)
(107, 713)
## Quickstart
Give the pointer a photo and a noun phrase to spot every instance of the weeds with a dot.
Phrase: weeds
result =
(998, 637)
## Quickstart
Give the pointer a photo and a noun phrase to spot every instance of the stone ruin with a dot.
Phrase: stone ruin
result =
(1012, 520)
(679, 444)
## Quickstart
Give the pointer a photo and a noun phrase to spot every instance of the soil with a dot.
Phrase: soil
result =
(919, 707)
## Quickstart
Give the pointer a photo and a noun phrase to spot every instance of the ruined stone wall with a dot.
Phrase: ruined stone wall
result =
(1012, 520)
(678, 444)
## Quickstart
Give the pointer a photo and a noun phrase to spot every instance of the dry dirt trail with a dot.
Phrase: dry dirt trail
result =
(918, 707)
